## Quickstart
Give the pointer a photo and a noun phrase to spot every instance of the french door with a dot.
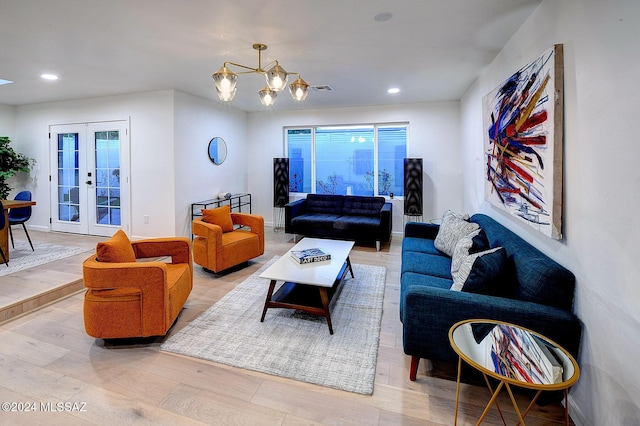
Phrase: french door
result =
(90, 177)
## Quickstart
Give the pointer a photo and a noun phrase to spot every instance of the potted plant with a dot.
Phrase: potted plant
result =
(11, 162)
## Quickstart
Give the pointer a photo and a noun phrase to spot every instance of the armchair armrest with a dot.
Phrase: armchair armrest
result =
(149, 278)
(210, 236)
(206, 230)
(253, 221)
(178, 248)
(109, 275)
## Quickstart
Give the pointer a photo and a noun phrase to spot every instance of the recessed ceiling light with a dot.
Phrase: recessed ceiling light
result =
(5, 81)
(393, 90)
(382, 17)
(49, 76)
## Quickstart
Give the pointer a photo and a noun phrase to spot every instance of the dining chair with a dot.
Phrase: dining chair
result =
(2, 223)
(20, 215)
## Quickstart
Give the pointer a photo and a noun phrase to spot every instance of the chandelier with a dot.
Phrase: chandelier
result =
(276, 77)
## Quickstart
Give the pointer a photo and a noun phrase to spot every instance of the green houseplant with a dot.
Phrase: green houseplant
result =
(11, 162)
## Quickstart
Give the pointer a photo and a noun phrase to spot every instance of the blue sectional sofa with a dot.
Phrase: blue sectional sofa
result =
(345, 217)
(523, 286)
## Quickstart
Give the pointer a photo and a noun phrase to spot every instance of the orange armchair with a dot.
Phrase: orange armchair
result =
(125, 298)
(216, 250)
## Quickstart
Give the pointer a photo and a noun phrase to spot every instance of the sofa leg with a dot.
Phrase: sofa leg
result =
(377, 245)
(414, 368)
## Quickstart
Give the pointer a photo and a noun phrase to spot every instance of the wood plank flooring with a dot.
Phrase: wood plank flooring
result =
(46, 358)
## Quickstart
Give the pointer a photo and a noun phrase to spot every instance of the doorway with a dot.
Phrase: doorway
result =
(90, 177)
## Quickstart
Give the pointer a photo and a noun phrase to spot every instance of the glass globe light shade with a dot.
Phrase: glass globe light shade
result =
(225, 81)
(267, 96)
(226, 96)
(276, 78)
(299, 89)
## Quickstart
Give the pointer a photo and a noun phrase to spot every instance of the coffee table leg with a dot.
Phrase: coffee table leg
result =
(325, 306)
(349, 266)
(266, 302)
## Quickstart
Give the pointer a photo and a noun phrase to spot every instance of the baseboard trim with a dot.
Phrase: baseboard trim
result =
(40, 300)
(38, 228)
(576, 414)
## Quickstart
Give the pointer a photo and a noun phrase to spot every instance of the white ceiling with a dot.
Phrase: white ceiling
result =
(431, 49)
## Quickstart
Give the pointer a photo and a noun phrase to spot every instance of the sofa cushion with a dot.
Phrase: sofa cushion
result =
(323, 203)
(466, 266)
(362, 206)
(314, 221)
(451, 230)
(363, 224)
(220, 216)
(116, 249)
(427, 264)
(413, 278)
(420, 245)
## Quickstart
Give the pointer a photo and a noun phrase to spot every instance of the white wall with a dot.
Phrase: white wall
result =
(8, 121)
(433, 135)
(152, 155)
(170, 169)
(601, 175)
(197, 120)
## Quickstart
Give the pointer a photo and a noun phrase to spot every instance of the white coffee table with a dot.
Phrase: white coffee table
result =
(309, 287)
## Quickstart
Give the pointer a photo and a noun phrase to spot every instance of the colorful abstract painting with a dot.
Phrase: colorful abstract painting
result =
(523, 143)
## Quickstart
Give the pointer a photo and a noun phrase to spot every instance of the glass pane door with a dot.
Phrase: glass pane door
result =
(107, 188)
(68, 164)
(68, 178)
(89, 164)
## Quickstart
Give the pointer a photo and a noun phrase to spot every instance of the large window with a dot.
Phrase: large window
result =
(358, 160)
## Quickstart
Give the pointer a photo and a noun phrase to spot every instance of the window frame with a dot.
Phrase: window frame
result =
(375, 127)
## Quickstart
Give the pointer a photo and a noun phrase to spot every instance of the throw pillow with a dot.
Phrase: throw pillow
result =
(466, 266)
(451, 230)
(463, 216)
(116, 249)
(482, 272)
(480, 243)
(488, 274)
(461, 250)
(220, 216)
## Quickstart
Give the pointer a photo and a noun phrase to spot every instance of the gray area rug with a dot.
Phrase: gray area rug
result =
(291, 343)
(22, 257)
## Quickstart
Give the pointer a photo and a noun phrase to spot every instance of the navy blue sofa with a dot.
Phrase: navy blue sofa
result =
(535, 292)
(345, 217)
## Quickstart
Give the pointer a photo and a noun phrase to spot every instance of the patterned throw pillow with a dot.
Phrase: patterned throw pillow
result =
(461, 250)
(453, 228)
(478, 278)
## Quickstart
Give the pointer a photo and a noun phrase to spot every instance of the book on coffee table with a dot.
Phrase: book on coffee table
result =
(310, 255)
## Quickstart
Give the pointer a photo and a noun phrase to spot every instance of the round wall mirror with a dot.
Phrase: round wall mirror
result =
(217, 150)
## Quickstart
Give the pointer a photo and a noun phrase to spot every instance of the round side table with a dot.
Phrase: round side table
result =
(514, 356)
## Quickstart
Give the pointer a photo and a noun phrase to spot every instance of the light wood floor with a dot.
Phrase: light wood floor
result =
(46, 357)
